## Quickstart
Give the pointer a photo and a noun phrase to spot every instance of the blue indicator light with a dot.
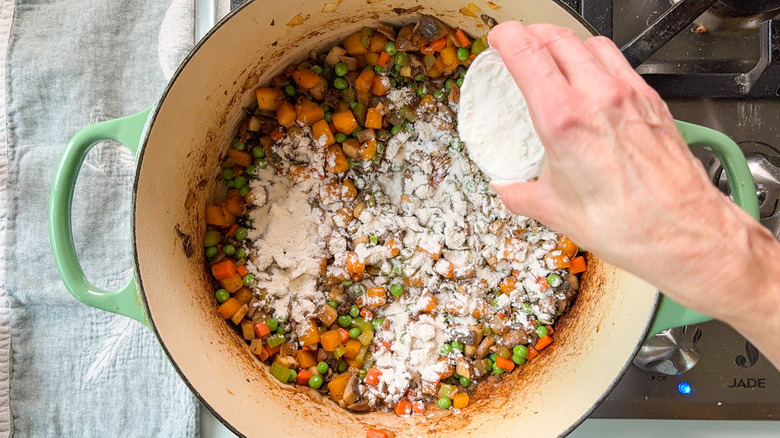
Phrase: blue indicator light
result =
(684, 388)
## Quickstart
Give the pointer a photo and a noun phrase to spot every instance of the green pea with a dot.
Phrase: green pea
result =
(293, 376)
(542, 331)
(252, 170)
(422, 90)
(229, 249)
(241, 233)
(401, 59)
(322, 368)
(462, 74)
(239, 146)
(463, 53)
(280, 330)
(248, 279)
(329, 117)
(390, 48)
(457, 345)
(459, 82)
(397, 290)
(344, 320)
(448, 84)
(222, 295)
(340, 138)
(520, 351)
(378, 69)
(211, 252)
(239, 182)
(258, 152)
(527, 308)
(419, 78)
(261, 163)
(362, 374)
(517, 359)
(395, 130)
(445, 349)
(497, 370)
(227, 173)
(377, 324)
(354, 311)
(241, 253)
(289, 90)
(315, 382)
(272, 324)
(333, 304)
(351, 163)
(478, 46)
(211, 238)
(340, 83)
(492, 356)
(244, 190)
(354, 332)
(465, 381)
(230, 184)
(445, 403)
(439, 94)
(489, 364)
(342, 366)
(554, 280)
(316, 69)
(374, 240)
(341, 69)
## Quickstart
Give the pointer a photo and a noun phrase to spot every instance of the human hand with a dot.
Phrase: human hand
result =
(621, 181)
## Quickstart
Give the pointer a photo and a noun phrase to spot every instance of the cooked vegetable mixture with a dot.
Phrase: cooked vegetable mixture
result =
(359, 250)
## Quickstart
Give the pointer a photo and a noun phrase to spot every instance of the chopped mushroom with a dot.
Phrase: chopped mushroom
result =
(352, 391)
(484, 347)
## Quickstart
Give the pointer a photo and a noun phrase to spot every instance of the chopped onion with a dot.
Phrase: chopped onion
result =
(366, 135)
(330, 7)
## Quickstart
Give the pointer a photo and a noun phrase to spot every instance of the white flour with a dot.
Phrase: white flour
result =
(494, 122)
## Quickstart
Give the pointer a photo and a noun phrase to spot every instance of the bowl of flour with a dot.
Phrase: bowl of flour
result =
(495, 125)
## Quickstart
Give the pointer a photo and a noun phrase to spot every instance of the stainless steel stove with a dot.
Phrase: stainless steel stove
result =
(723, 73)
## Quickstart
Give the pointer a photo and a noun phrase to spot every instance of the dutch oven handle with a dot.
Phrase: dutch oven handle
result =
(126, 300)
(671, 314)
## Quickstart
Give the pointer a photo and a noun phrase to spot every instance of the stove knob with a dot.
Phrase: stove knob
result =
(670, 352)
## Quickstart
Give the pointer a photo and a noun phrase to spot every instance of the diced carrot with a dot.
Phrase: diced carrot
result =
(277, 134)
(543, 284)
(338, 384)
(366, 314)
(375, 433)
(430, 306)
(242, 270)
(322, 133)
(377, 43)
(353, 46)
(354, 264)
(577, 265)
(403, 407)
(372, 59)
(364, 80)
(309, 333)
(244, 295)
(303, 377)
(262, 330)
(373, 119)
(353, 347)
(379, 86)
(437, 68)
(224, 269)
(263, 353)
(543, 342)
(232, 230)
(393, 246)
(418, 407)
(242, 158)
(218, 216)
(330, 340)
(557, 260)
(461, 399)
(504, 364)
(532, 353)
(567, 247)
(463, 40)
(344, 335)
(268, 98)
(376, 296)
(345, 122)
(449, 56)
(306, 78)
(507, 285)
(336, 160)
(372, 376)
(434, 256)
(433, 46)
(229, 308)
(384, 59)
(305, 358)
(232, 283)
(308, 112)
(286, 114)
(270, 351)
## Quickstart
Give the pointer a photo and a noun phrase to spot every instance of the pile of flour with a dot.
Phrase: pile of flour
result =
(494, 122)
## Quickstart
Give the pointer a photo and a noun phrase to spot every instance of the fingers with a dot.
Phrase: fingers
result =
(612, 60)
(530, 199)
(533, 68)
(575, 61)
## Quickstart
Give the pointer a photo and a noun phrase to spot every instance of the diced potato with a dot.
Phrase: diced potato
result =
(353, 46)
(309, 333)
(232, 284)
(286, 114)
(268, 98)
(248, 330)
(333, 55)
(241, 158)
(229, 308)
(218, 216)
(308, 112)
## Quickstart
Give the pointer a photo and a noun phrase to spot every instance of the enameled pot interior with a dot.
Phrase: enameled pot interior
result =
(178, 175)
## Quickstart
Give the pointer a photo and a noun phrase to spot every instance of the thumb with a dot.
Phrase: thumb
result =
(526, 198)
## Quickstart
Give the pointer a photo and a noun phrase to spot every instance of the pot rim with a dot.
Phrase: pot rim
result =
(139, 279)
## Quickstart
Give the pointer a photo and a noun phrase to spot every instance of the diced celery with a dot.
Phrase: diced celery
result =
(339, 351)
(280, 371)
(445, 390)
(366, 337)
(275, 340)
